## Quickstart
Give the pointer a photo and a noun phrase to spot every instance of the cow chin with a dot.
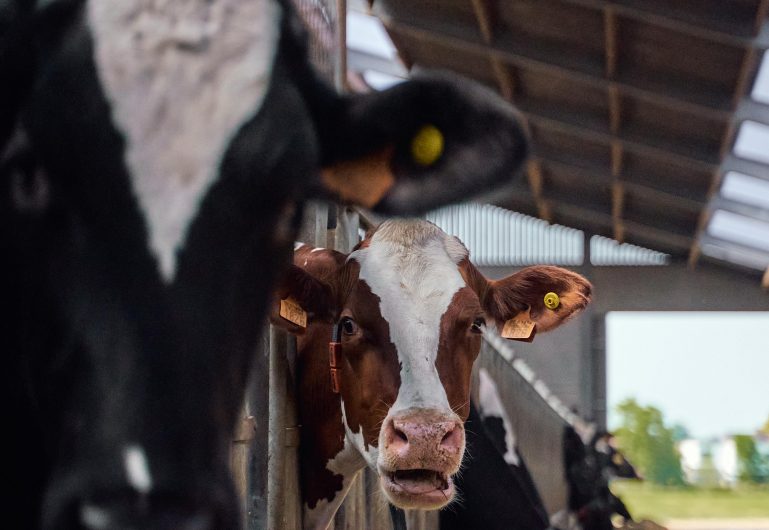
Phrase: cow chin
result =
(423, 489)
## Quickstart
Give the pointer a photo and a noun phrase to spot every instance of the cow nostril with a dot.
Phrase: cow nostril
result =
(452, 438)
(400, 434)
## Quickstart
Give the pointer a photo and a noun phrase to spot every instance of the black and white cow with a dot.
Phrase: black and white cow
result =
(590, 465)
(498, 491)
(154, 156)
(493, 493)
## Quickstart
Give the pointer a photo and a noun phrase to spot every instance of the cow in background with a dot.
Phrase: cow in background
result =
(154, 157)
(591, 461)
(494, 492)
(404, 313)
(500, 493)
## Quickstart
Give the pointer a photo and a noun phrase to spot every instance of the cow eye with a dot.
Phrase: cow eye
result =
(478, 325)
(349, 327)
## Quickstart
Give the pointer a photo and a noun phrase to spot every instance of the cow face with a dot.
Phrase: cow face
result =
(611, 459)
(411, 309)
(154, 159)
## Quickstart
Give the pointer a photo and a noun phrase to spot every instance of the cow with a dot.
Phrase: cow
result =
(500, 493)
(154, 158)
(403, 315)
(495, 493)
(589, 465)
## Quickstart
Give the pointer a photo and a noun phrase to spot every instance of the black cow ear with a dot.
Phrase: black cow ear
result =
(423, 143)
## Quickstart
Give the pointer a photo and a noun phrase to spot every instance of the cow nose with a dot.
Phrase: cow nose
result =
(135, 514)
(406, 435)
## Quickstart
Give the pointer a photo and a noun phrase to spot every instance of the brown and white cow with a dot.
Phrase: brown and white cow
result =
(410, 309)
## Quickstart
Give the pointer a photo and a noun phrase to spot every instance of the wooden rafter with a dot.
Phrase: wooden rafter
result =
(617, 191)
(549, 62)
(535, 177)
(765, 279)
(665, 19)
(483, 16)
(761, 13)
(610, 30)
(647, 150)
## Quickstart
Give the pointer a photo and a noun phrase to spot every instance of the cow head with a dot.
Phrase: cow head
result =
(610, 458)
(411, 310)
(154, 159)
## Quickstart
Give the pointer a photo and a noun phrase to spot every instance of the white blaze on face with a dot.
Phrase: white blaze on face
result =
(412, 267)
(181, 77)
(490, 404)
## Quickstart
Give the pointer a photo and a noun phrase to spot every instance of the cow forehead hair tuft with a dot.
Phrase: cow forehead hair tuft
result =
(419, 233)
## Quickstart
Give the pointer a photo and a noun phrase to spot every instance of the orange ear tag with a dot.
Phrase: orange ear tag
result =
(520, 327)
(293, 312)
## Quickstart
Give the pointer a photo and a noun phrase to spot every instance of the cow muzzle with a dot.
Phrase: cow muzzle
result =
(420, 452)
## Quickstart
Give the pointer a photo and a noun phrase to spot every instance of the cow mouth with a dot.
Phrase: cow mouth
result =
(418, 488)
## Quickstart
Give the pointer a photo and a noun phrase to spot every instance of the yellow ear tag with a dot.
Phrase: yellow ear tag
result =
(520, 327)
(427, 145)
(293, 312)
(552, 301)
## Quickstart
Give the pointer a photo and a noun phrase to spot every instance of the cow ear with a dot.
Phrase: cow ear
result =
(299, 299)
(551, 295)
(426, 142)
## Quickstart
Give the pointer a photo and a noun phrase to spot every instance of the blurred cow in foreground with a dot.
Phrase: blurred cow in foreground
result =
(154, 158)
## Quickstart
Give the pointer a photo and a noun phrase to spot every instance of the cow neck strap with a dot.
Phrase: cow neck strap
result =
(335, 356)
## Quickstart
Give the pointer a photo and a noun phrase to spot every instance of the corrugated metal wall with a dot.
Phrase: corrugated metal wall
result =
(497, 237)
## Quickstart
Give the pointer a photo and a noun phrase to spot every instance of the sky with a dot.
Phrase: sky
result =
(706, 370)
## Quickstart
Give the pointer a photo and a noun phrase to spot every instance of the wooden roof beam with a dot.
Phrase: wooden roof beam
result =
(761, 13)
(584, 72)
(617, 191)
(765, 279)
(610, 30)
(645, 149)
(666, 19)
(484, 18)
(655, 194)
(535, 176)
(664, 237)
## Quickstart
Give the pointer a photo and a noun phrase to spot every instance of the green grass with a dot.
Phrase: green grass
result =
(660, 503)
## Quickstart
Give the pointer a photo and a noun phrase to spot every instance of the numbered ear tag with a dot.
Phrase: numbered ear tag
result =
(293, 312)
(520, 327)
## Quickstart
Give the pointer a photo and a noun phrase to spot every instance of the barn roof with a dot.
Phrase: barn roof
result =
(646, 116)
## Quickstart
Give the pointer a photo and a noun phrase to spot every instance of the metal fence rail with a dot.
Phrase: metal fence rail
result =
(538, 418)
